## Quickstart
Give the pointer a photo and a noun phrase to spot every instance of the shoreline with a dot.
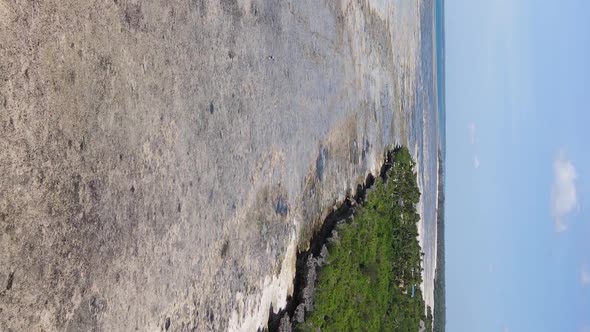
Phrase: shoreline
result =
(311, 261)
(259, 310)
(184, 150)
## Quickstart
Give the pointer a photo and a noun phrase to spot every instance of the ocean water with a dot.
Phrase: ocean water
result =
(427, 131)
(440, 73)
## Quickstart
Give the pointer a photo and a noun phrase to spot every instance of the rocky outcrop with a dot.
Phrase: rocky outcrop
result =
(310, 262)
(285, 324)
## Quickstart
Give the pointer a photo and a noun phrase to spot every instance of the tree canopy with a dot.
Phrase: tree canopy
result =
(373, 276)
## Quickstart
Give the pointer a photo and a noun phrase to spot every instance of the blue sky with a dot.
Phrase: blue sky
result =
(518, 168)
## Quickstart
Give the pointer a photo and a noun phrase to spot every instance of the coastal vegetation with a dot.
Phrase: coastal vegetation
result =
(372, 275)
(439, 279)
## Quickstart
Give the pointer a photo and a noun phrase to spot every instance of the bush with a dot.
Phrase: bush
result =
(375, 268)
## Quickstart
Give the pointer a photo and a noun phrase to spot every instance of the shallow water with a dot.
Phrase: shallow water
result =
(424, 139)
(161, 162)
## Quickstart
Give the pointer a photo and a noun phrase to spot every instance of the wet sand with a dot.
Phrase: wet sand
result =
(161, 161)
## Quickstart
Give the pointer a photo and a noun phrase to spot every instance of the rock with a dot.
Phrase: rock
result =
(285, 325)
(309, 289)
(335, 238)
(323, 258)
(299, 314)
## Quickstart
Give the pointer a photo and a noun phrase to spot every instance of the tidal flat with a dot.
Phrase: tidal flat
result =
(161, 163)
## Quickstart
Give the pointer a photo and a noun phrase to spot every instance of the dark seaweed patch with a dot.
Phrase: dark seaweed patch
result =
(10, 281)
(281, 207)
(167, 323)
(321, 163)
(224, 248)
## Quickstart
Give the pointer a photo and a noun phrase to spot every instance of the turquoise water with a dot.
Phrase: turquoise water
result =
(439, 18)
(427, 127)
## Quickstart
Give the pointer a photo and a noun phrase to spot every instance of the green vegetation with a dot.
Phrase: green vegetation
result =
(439, 280)
(373, 268)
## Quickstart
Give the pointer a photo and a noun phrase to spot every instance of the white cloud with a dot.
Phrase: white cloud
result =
(585, 276)
(563, 194)
(472, 130)
(472, 133)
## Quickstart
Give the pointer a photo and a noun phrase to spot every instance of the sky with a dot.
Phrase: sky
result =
(518, 168)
